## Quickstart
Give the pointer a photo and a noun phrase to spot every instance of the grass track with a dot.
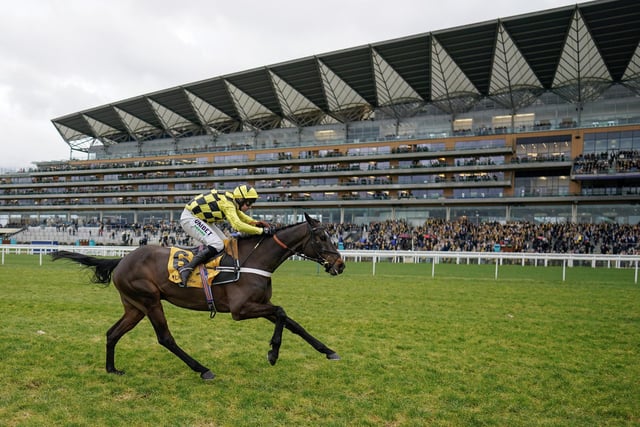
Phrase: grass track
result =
(458, 349)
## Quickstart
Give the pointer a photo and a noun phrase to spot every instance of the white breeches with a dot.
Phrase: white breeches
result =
(202, 231)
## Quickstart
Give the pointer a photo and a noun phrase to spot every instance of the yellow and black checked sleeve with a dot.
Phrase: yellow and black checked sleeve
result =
(205, 207)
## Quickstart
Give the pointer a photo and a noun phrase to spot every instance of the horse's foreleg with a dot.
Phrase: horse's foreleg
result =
(295, 327)
(159, 322)
(275, 314)
(128, 321)
(279, 317)
(281, 321)
(276, 340)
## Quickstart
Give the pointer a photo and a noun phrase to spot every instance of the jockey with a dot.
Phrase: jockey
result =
(204, 210)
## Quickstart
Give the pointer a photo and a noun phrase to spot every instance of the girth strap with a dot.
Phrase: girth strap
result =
(255, 271)
(208, 293)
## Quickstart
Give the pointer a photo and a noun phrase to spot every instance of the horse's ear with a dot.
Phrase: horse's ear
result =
(309, 219)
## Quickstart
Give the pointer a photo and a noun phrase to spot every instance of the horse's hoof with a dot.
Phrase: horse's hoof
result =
(116, 372)
(272, 358)
(333, 356)
(208, 375)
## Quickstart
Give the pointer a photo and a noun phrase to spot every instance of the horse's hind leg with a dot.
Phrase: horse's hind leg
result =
(128, 321)
(159, 322)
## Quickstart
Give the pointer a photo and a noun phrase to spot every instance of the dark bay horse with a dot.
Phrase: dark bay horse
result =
(142, 279)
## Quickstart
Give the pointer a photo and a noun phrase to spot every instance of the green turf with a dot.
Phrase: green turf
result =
(459, 349)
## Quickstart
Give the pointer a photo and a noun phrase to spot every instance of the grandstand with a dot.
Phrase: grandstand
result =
(533, 117)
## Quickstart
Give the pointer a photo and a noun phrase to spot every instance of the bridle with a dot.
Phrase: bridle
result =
(319, 258)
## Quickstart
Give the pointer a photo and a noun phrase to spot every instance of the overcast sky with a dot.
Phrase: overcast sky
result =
(59, 57)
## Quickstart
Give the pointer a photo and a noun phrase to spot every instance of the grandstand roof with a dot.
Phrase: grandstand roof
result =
(575, 51)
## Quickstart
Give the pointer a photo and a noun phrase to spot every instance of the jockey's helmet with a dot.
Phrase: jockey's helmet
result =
(245, 194)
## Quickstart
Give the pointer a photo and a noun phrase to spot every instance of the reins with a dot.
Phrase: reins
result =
(319, 259)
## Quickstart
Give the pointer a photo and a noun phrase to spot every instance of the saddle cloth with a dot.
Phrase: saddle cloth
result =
(181, 256)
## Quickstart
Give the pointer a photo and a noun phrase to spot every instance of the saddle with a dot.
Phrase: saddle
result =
(222, 269)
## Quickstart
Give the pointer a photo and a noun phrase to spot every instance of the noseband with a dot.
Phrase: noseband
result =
(319, 258)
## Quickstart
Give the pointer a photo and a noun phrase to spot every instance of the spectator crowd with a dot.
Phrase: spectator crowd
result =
(433, 235)
(463, 235)
(623, 161)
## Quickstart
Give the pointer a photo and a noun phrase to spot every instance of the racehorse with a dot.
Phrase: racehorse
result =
(142, 279)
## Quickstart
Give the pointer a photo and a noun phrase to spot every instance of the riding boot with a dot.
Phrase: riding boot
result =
(201, 257)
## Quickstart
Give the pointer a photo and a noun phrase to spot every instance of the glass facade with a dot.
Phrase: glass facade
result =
(611, 142)
(542, 186)
(542, 213)
(544, 148)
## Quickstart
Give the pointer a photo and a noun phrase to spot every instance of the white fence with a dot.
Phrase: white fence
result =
(565, 260)
(523, 258)
(43, 250)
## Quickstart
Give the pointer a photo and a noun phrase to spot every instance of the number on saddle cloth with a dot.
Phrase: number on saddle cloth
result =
(224, 264)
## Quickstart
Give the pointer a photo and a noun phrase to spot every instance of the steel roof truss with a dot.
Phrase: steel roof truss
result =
(451, 89)
(513, 83)
(296, 107)
(214, 120)
(345, 104)
(172, 122)
(255, 115)
(631, 78)
(102, 130)
(391, 88)
(69, 134)
(137, 127)
(581, 75)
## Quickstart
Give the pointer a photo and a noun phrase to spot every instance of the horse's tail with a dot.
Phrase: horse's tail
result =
(102, 267)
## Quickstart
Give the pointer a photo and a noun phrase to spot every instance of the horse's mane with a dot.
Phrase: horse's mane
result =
(275, 230)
